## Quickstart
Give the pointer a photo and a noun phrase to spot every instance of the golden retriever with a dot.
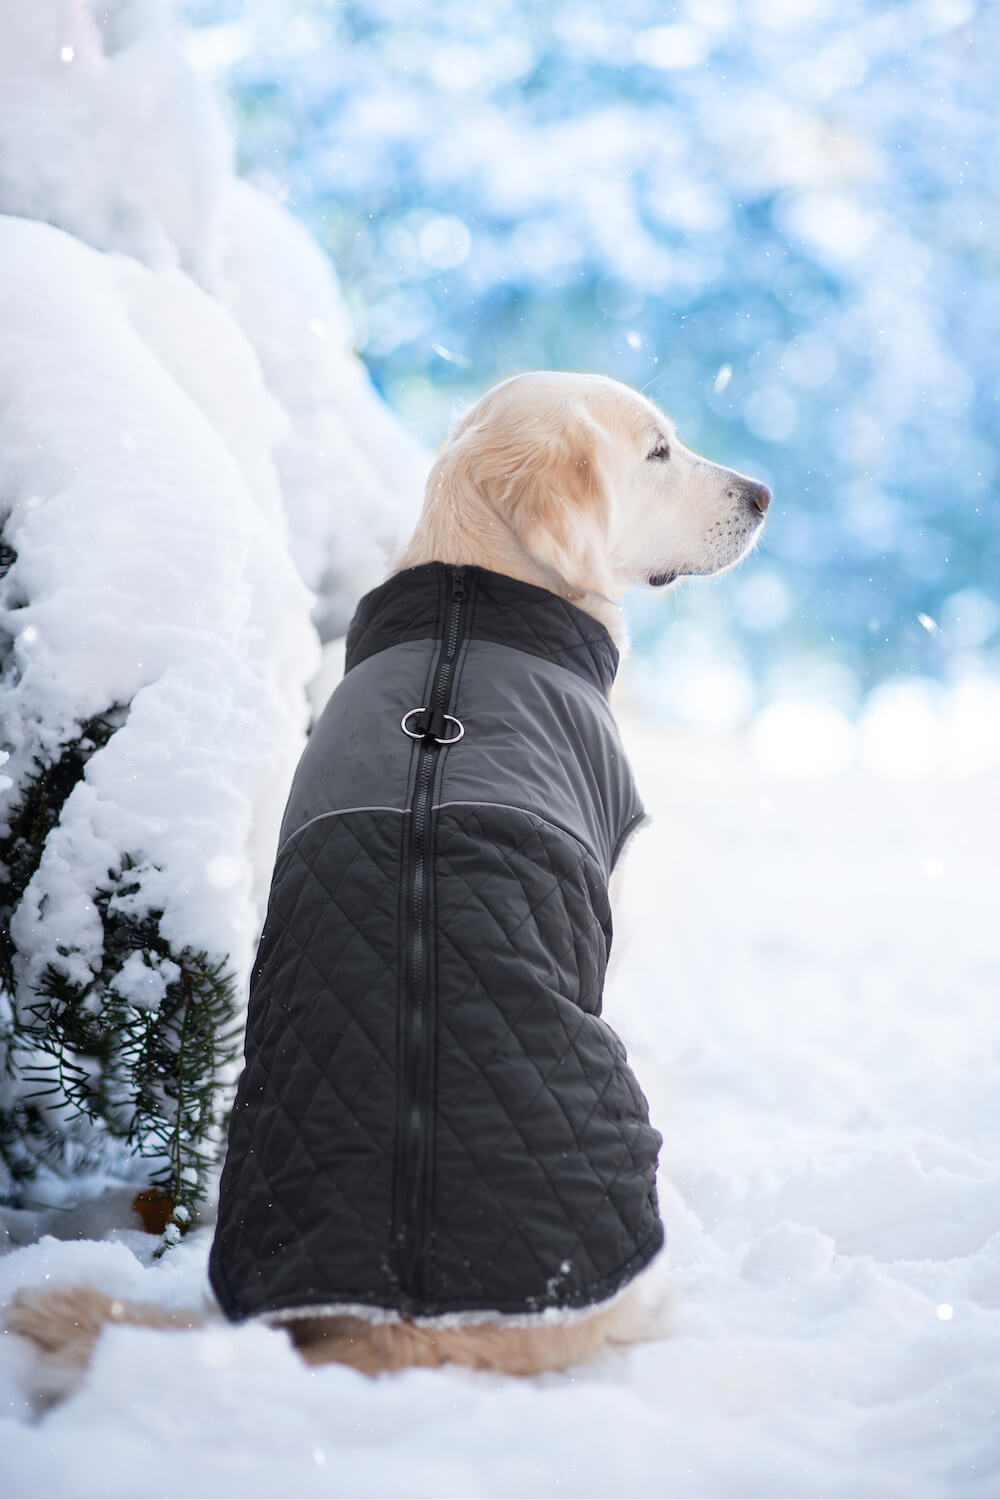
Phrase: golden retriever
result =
(578, 484)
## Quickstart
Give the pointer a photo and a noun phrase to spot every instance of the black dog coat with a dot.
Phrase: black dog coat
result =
(433, 1117)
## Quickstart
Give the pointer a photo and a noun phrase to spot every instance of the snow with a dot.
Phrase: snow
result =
(351, 476)
(805, 973)
(196, 474)
(102, 133)
(128, 150)
(151, 572)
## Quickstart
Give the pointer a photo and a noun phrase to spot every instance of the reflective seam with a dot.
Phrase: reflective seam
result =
(338, 812)
(341, 812)
(530, 812)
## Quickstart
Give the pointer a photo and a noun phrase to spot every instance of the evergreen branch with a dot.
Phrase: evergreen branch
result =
(148, 1077)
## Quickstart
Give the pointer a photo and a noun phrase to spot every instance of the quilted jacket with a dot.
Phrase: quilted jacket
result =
(433, 1117)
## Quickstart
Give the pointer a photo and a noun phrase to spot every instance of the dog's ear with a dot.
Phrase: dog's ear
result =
(544, 475)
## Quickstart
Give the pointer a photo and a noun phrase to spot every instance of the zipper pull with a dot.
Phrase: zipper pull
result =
(458, 583)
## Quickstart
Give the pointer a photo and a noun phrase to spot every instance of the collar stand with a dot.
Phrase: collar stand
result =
(411, 606)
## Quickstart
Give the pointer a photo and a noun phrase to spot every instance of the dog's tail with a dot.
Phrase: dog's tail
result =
(64, 1323)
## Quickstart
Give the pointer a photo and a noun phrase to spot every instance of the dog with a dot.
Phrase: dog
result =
(553, 487)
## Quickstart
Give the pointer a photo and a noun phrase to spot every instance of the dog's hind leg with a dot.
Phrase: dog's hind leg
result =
(378, 1347)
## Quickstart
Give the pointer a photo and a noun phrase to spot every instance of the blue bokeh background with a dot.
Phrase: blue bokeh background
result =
(779, 217)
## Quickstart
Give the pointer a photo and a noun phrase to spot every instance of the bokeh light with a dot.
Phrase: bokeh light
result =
(780, 219)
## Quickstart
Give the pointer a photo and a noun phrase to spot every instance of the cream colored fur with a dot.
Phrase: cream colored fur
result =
(64, 1324)
(580, 485)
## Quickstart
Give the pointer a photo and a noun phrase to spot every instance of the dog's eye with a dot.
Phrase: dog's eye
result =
(661, 451)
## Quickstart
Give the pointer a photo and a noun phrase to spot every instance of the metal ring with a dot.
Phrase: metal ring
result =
(455, 737)
(414, 736)
(402, 722)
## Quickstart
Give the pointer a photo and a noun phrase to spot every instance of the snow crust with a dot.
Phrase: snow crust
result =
(805, 975)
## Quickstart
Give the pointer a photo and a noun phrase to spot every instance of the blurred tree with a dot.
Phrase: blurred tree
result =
(776, 217)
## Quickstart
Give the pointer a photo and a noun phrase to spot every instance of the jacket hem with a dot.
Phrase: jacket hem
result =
(457, 1319)
(468, 1317)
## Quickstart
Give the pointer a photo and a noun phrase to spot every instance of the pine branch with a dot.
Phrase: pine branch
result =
(32, 818)
(148, 1077)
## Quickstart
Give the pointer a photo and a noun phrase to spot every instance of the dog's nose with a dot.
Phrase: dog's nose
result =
(760, 497)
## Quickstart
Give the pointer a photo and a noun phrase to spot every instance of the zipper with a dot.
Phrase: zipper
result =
(416, 1100)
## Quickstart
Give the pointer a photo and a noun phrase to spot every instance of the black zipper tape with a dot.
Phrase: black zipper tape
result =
(417, 1030)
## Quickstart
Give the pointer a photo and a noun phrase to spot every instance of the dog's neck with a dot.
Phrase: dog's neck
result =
(495, 547)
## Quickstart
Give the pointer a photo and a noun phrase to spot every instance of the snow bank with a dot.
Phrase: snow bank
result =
(108, 132)
(105, 132)
(153, 571)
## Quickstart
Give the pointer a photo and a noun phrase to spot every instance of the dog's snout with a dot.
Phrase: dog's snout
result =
(760, 497)
(756, 497)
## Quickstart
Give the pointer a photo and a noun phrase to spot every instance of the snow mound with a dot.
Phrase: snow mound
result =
(152, 571)
(108, 131)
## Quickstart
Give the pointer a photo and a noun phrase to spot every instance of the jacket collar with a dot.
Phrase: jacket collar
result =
(411, 606)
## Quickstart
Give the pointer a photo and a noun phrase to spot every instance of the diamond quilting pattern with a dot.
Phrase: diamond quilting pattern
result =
(312, 1137)
(543, 1159)
(544, 1155)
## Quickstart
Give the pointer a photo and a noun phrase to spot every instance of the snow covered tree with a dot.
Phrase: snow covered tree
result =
(192, 464)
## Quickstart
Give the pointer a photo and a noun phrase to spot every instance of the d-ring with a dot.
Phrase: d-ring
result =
(415, 735)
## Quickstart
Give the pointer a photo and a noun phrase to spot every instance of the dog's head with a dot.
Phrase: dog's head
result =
(589, 479)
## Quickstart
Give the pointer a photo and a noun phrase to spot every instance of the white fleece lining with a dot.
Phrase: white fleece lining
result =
(543, 1319)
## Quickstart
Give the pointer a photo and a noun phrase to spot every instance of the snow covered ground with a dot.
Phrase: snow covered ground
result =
(806, 975)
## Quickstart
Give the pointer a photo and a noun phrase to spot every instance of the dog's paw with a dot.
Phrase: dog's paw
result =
(59, 1318)
(63, 1325)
